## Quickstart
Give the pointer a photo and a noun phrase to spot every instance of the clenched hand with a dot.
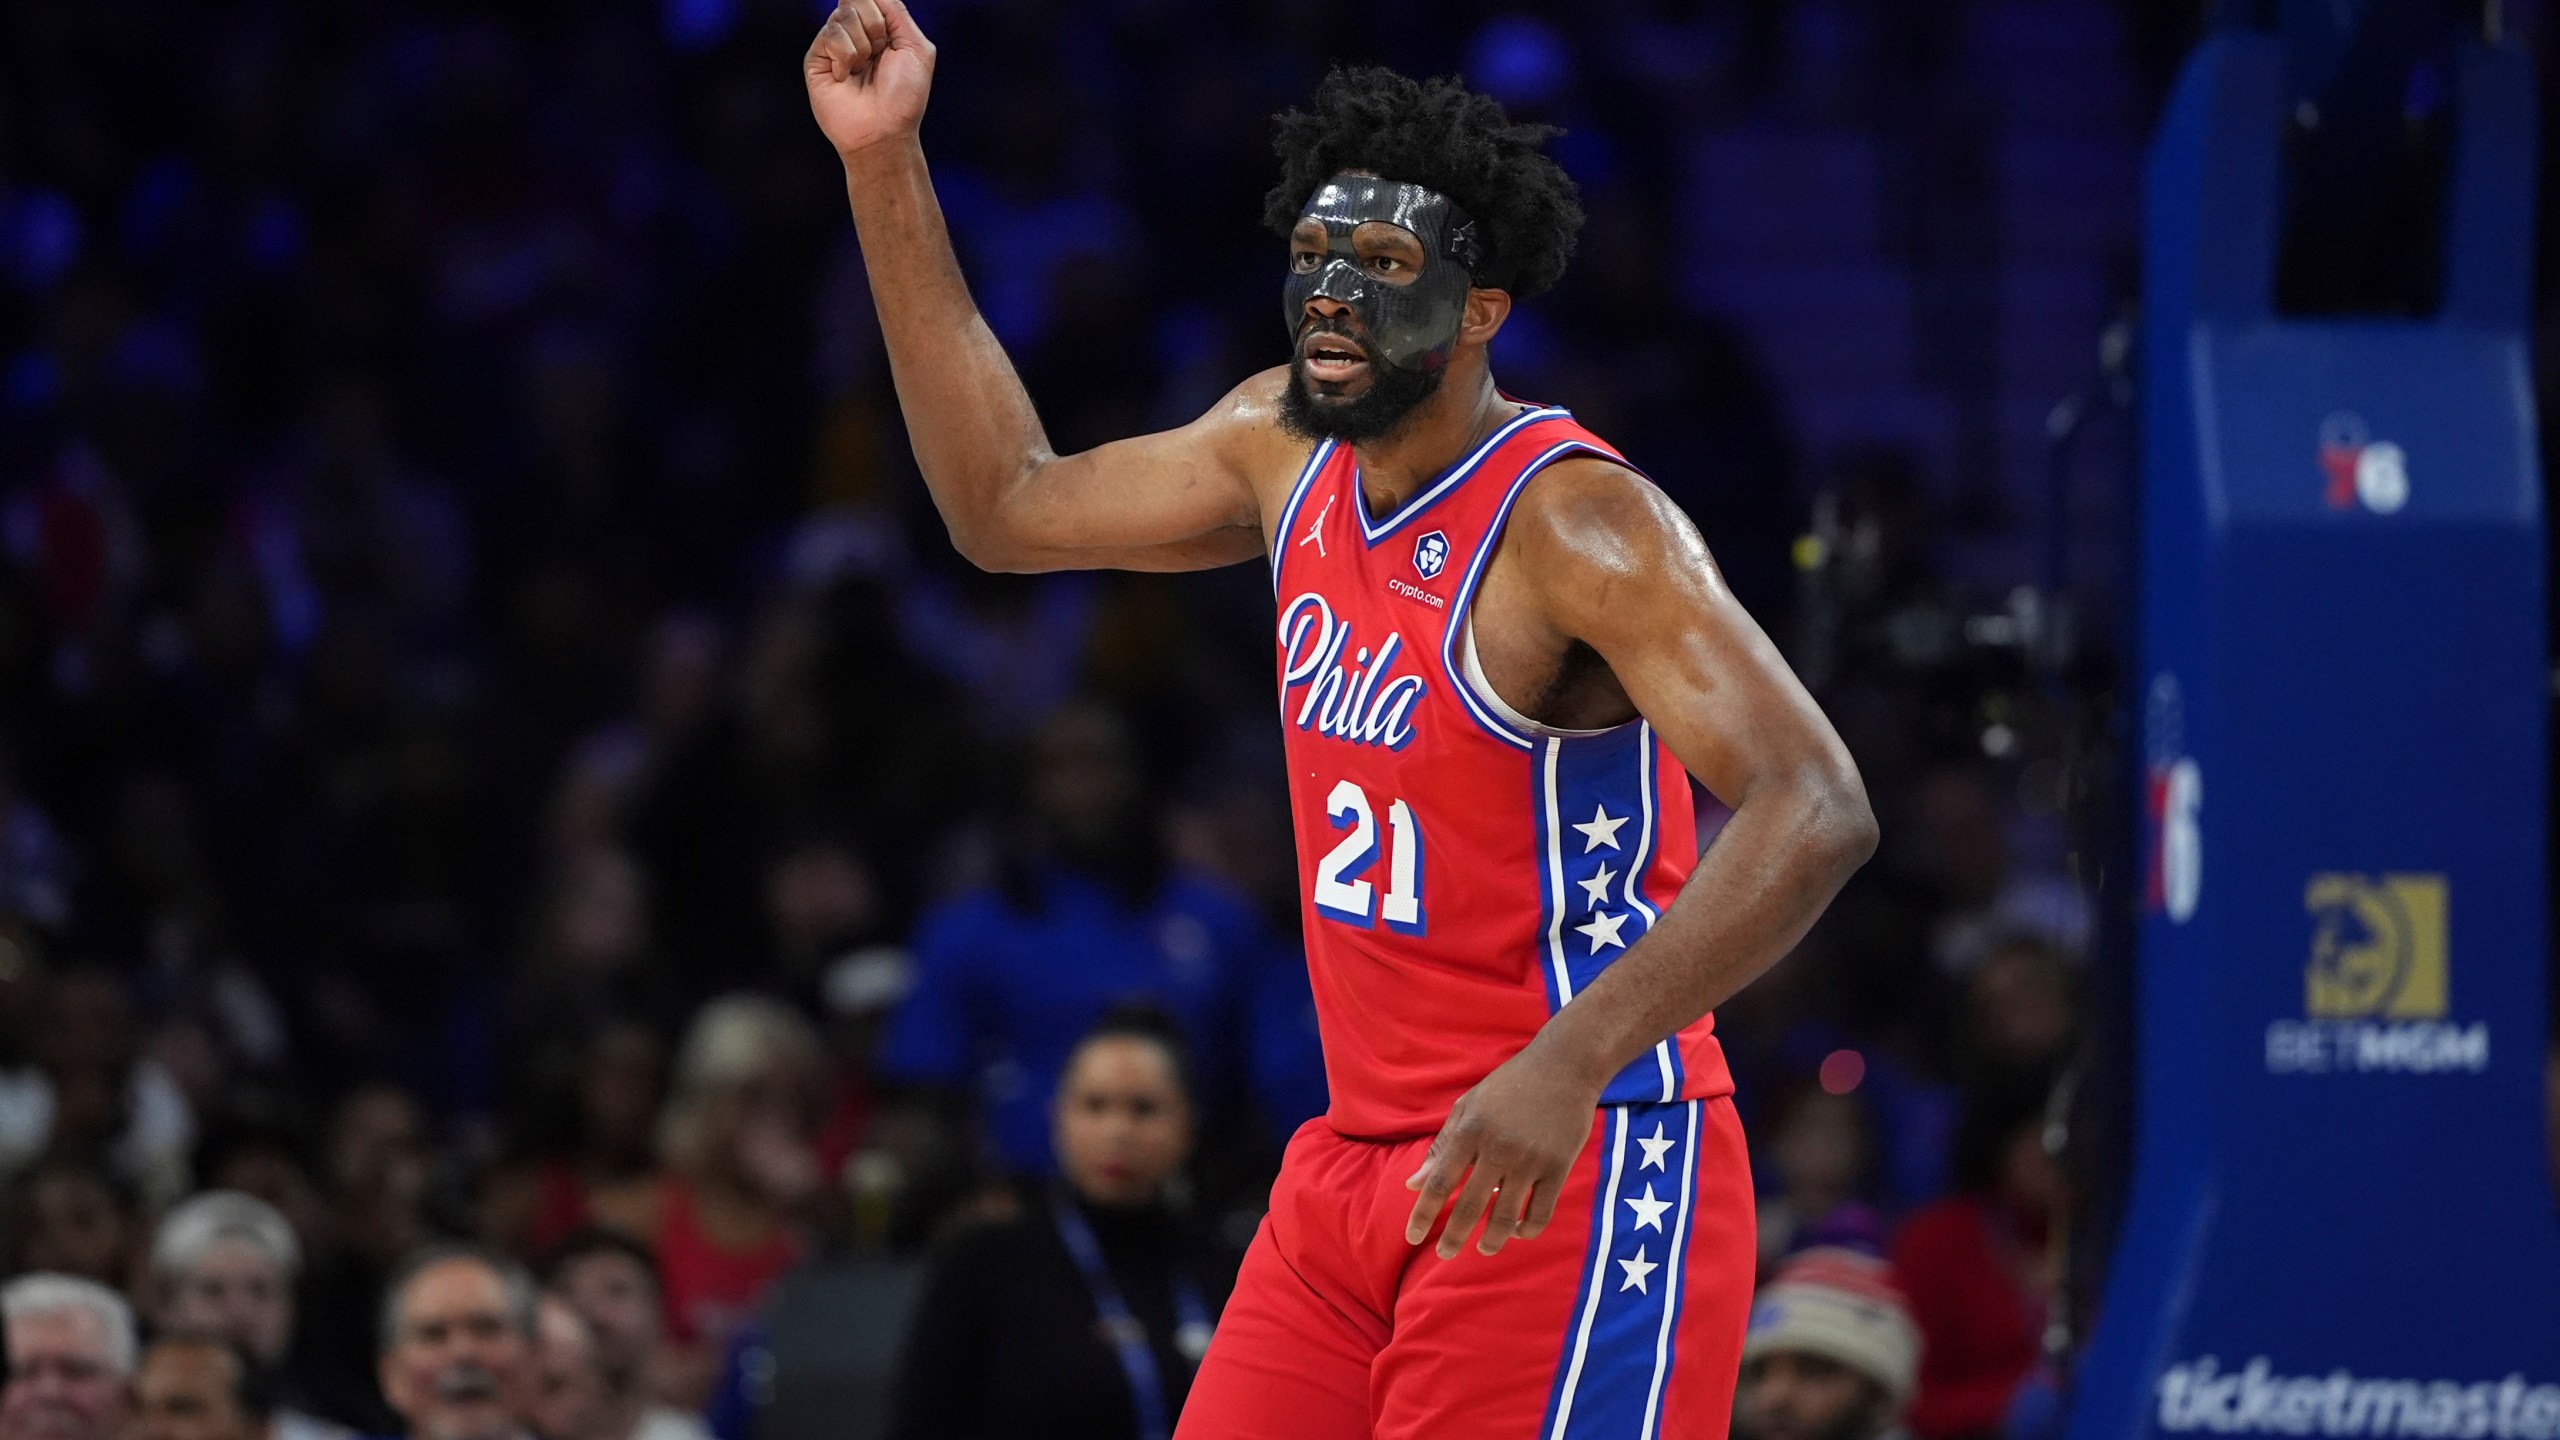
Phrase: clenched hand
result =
(868, 72)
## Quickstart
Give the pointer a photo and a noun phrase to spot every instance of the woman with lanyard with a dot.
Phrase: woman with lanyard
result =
(1086, 1315)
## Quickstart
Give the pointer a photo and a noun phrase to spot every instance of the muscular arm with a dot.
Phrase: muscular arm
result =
(1181, 500)
(1602, 558)
(1613, 563)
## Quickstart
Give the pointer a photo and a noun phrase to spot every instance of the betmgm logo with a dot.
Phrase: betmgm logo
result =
(2377, 986)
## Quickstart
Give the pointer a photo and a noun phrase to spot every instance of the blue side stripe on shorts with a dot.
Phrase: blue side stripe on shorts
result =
(1618, 1345)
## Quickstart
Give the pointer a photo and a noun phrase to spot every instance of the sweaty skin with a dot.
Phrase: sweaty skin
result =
(1593, 558)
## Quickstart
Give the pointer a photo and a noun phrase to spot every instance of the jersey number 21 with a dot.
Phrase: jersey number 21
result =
(1343, 893)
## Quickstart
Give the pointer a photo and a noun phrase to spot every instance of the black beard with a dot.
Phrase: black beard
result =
(1392, 395)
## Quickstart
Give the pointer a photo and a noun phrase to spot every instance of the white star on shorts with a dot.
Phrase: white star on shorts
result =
(1637, 1269)
(1648, 1210)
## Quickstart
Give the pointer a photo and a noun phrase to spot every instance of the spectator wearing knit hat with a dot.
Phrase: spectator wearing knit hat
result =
(1831, 1353)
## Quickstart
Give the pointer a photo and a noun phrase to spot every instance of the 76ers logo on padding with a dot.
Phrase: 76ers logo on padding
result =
(1430, 553)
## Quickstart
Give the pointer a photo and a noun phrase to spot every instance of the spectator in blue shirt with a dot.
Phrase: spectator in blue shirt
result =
(1086, 913)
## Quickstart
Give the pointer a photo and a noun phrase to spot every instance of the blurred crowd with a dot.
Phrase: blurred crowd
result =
(519, 842)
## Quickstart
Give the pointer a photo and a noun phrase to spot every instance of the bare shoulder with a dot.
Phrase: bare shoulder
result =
(1255, 402)
(1591, 528)
(1245, 428)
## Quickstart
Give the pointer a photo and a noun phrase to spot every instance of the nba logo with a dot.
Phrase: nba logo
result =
(1430, 553)
(2174, 797)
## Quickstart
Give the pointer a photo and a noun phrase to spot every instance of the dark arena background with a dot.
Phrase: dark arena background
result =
(496, 747)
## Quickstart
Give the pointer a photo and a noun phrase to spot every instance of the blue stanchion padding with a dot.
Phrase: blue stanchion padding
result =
(2342, 1222)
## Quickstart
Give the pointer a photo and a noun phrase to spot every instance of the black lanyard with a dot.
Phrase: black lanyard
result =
(1127, 1336)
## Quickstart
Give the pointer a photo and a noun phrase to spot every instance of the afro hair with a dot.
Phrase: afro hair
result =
(1440, 135)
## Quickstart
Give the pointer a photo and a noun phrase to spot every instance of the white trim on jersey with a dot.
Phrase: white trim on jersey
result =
(1289, 509)
(1471, 675)
(1416, 504)
(1461, 603)
(1636, 869)
(1555, 873)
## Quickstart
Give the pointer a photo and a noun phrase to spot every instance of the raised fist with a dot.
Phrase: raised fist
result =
(869, 72)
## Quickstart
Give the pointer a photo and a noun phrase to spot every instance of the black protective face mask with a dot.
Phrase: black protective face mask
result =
(1412, 326)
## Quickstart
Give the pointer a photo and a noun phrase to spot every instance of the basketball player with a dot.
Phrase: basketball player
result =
(1499, 650)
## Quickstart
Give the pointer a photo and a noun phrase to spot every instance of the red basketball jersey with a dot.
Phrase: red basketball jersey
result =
(1463, 871)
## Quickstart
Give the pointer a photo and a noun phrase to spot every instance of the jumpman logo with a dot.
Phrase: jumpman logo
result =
(1315, 532)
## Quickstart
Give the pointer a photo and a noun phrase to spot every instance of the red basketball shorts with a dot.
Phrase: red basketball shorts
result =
(1623, 1320)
